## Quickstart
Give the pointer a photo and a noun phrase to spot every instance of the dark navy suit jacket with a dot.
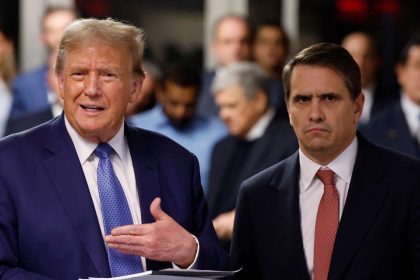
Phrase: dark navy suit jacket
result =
(48, 224)
(390, 129)
(379, 232)
(30, 92)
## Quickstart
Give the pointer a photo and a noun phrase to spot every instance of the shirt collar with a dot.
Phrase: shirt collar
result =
(411, 111)
(341, 165)
(260, 126)
(85, 148)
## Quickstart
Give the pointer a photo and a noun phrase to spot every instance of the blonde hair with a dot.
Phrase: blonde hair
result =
(108, 30)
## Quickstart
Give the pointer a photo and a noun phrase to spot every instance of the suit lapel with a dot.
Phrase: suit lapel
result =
(145, 169)
(363, 201)
(69, 181)
(147, 178)
(285, 219)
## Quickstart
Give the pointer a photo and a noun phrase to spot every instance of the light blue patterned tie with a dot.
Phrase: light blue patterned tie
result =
(115, 211)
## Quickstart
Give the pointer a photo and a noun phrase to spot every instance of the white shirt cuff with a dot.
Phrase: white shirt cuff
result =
(192, 266)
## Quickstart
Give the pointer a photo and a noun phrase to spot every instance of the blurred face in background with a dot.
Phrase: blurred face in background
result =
(53, 27)
(363, 51)
(269, 48)
(231, 41)
(178, 102)
(238, 112)
(408, 74)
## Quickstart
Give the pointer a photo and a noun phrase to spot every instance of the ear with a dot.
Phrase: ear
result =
(160, 93)
(60, 81)
(290, 120)
(136, 89)
(399, 72)
(261, 101)
(360, 100)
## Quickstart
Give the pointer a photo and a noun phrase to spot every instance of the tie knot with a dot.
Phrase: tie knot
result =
(326, 176)
(103, 150)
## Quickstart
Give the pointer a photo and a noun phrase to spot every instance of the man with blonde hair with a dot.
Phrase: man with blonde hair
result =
(99, 197)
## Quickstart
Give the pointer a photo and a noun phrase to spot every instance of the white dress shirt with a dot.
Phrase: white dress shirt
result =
(123, 167)
(311, 190)
(367, 106)
(412, 112)
(5, 106)
(258, 129)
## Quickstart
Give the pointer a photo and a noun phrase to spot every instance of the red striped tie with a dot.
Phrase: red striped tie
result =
(326, 225)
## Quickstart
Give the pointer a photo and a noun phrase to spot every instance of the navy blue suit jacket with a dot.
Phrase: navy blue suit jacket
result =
(379, 232)
(30, 92)
(48, 224)
(390, 129)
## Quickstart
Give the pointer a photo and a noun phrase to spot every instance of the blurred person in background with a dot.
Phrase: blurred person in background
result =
(364, 50)
(31, 92)
(398, 127)
(7, 72)
(231, 38)
(270, 49)
(176, 116)
(147, 98)
(258, 137)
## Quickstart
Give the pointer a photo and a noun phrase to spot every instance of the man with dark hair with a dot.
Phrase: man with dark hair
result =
(378, 96)
(398, 127)
(99, 197)
(176, 115)
(270, 49)
(340, 207)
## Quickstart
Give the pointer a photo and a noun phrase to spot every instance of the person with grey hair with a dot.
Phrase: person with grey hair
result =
(258, 137)
(100, 198)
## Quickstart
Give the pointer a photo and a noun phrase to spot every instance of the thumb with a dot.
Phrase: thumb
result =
(156, 211)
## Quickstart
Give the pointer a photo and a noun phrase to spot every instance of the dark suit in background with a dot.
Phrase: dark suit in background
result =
(390, 129)
(378, 231)
(26, 121)
(277, 143)
(30, 92)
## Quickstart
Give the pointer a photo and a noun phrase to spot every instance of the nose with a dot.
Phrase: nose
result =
(316, 114)
(91, 85)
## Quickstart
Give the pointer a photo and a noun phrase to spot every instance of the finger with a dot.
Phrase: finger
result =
(130, 230)
(124, 239)
(156, 211)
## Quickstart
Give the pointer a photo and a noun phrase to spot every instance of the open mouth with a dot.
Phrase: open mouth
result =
(92, 108)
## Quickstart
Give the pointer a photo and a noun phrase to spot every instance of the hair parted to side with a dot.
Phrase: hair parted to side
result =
(327, 55)
(107, 30)
(248, 75)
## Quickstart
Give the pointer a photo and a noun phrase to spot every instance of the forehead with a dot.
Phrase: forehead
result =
(414, 53)
(179, 92)
(269, 30)
(59, 18)
(359, 43)
(310, 79)
(231, 27)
